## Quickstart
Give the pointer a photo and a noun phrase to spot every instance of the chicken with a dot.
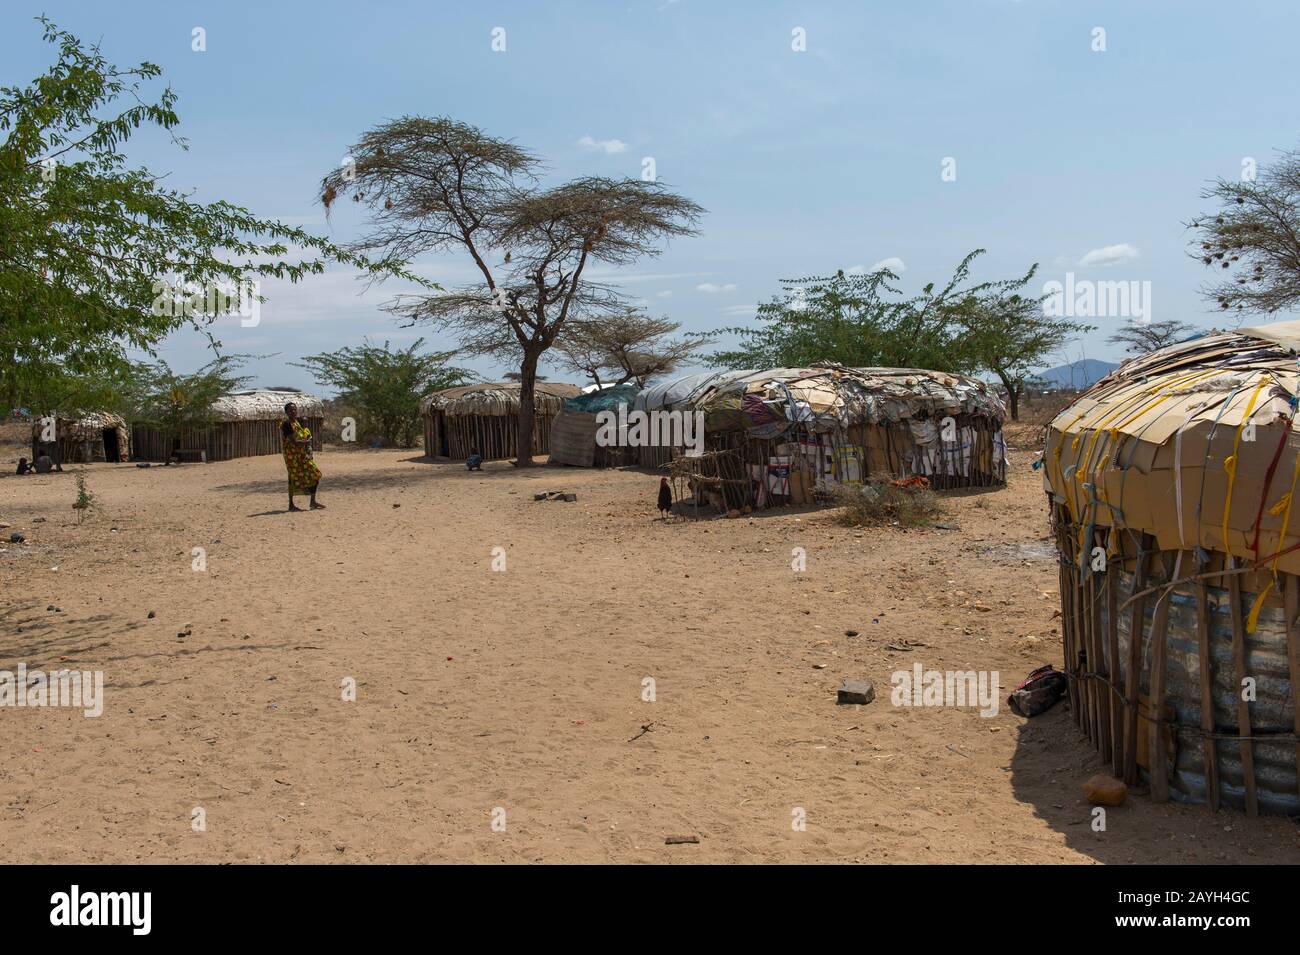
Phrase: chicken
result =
(665, 498)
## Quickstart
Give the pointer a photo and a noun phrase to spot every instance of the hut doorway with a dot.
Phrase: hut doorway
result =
(111, 449)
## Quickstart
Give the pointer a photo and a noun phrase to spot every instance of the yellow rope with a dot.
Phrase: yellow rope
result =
(1230, 462)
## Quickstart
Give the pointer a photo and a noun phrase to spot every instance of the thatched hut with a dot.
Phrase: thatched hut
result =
(1172, 483)
(245, 424)
(783, 435)
(574, 430)
(486, 417)
(83, 437)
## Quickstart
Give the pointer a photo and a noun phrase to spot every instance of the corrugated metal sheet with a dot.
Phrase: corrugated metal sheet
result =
(1271, 712)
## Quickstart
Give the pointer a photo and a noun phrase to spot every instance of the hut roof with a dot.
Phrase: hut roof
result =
(1192, 443)
(259, 404)
(823, 397)
(498, 398)
(86, 419)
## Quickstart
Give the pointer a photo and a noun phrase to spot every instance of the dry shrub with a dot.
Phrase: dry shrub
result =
(883, 502)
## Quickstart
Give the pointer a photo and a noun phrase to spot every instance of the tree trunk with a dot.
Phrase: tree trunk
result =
(1013, 397)
(527, 388)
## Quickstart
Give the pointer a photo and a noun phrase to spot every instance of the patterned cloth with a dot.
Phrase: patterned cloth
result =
(303, 473)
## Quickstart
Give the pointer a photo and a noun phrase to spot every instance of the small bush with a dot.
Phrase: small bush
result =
(885, 502)
(85, 500)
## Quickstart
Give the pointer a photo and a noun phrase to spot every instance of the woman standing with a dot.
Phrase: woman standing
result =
(304, 476)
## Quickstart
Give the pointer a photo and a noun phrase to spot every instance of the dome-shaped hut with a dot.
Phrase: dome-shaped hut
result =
(82, 437)
(486, 417)
(780, 435)
(1172, 483)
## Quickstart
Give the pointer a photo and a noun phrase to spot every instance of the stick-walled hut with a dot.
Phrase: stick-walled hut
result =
(781, 435)
(245, 423)
(1172, 484)
(486, 417)
(83, 437)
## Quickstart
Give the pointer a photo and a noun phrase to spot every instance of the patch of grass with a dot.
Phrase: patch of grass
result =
(883, 502)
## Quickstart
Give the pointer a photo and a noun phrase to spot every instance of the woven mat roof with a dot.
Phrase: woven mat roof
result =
(258, 404)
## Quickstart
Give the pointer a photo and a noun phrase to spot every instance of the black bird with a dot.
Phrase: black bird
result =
(665, 498)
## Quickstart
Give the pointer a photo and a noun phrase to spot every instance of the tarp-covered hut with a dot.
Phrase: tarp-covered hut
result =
(778, 435)
(1172, 484)
(575, 430)
(485, 417)
(245, 423)
(83, 437)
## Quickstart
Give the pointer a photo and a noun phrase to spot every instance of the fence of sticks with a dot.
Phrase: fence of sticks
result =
(1178, 671)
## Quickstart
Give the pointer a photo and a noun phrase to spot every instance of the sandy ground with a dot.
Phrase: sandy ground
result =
(480, 690)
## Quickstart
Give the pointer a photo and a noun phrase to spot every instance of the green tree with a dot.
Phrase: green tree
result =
(174, 403)
(1009, 335)
(862, 321)
(386, 386)
(436, 184)
(89, 248)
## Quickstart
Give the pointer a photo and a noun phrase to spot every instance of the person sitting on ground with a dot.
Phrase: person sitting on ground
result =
(24, 467)
(44, 464)
(475, 460)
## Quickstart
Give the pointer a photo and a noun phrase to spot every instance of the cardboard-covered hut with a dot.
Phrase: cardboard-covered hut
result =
(576, 430)
(781, 436)
(485, 417)
(83, 437)
(245, 424)
(1172, 485)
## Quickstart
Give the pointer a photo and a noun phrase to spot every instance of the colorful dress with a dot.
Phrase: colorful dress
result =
(303, 473)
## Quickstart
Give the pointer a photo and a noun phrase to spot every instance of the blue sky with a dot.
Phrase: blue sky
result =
(806, 161)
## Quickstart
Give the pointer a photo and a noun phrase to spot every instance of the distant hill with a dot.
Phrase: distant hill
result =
(1078, 374)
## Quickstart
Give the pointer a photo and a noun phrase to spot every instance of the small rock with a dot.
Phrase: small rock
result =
(1104, 790)
(568, 497)
(38, 520)
(850, 633)
(945, 526)
(855, 691)
(152, 614)
(681, 840)
(16, 538)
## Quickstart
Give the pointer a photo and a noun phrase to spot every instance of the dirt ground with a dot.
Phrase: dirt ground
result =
(516, 697)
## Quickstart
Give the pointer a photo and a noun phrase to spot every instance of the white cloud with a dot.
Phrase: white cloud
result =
(609, 147)
(893, 263)
(712, 288)
(1109, 255)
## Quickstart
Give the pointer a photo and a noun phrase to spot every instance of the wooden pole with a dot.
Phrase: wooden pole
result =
(1292, 604)
(1132, 684)
(1207, 695)
(1243, 708)
(1157, 759)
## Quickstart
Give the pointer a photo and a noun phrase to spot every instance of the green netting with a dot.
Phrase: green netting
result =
(609, 399)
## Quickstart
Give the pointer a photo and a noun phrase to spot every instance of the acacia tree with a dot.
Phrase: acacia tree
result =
(85, 241)
(861, 321)
(1255, 238)
(1009, 334)
(385, 386)
(1140, 338)
(432, 185)
(629, 346)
